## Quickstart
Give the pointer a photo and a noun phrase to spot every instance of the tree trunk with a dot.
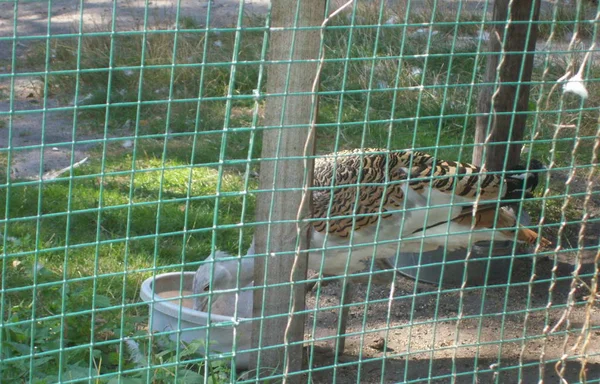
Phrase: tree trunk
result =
(505, 113)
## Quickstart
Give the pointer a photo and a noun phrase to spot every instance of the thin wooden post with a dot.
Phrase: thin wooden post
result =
(279, 175)
(515, 55)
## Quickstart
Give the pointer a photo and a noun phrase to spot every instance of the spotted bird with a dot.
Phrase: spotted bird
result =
(411, 201)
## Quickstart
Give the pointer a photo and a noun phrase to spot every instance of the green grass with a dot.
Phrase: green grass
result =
(109, 274)
(368, 112)
(365, 111)
(118, 219)
(94, 93)
(566, 20)
(96, 260)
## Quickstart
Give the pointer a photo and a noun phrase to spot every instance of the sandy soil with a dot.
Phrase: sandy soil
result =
(492, 317)
(420, 336)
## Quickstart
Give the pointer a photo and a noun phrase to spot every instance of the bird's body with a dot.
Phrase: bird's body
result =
(224, 284)
(407, 201)
(374, 203)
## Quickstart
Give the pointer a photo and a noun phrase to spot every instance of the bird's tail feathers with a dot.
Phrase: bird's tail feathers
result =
(529, 236)
(488, 217)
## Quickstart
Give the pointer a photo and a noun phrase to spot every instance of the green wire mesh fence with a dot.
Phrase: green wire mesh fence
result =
(138, 138)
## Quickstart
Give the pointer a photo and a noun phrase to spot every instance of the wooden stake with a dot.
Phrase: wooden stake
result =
(277, 176)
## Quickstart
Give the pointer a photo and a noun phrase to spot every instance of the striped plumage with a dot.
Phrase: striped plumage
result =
(416, 196)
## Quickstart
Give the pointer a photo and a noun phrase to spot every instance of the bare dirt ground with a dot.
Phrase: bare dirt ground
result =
(421, 334)
(500, 329)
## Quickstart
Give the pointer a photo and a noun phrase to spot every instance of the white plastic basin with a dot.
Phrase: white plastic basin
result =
(221, 329)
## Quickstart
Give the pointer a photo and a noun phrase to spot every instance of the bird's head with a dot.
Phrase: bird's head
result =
(529, 174)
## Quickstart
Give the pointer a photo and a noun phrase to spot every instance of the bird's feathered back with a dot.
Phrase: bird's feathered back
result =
(361, 186)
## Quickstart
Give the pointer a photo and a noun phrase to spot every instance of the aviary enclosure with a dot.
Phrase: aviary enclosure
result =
(299, 191)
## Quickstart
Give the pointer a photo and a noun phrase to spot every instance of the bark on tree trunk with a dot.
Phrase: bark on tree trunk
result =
(497, 122)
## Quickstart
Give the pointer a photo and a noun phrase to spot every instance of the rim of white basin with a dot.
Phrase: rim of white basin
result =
(165, 305)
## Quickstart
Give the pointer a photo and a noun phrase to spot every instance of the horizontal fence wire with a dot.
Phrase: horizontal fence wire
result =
(133, 158)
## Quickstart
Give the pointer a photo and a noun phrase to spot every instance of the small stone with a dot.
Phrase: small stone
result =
(55, 149)
(127, 144)
(378, 344)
